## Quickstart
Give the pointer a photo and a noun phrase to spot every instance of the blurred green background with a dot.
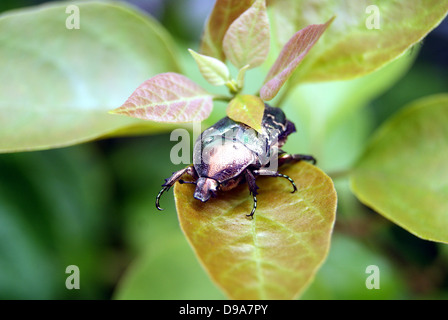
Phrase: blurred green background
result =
(92, 205)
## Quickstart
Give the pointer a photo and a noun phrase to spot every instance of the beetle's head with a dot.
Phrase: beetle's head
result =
(205, 187)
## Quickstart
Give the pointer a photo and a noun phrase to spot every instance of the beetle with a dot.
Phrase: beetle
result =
(229, 153)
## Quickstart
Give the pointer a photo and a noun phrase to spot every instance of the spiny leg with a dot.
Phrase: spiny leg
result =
(250, 179)
(187, 182)
(298, 157)
(171, 180)
(251, 215)
(284, 157)
(165, 188)
(269, 173)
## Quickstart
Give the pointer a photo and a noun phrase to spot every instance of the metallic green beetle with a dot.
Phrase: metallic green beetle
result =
(229, 153)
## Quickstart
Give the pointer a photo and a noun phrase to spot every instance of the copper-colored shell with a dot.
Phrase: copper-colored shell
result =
(227, 148)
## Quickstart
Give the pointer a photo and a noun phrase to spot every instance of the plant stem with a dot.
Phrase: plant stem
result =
(233, 87)
(222, 98)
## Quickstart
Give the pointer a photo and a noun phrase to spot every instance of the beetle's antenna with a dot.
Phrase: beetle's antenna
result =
(159, 195)
(251, 215)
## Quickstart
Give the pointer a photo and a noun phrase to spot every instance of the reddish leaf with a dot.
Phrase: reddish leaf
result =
(366, 36)
(223, 14)
(246, 42)
(168, 97)
(290, 57)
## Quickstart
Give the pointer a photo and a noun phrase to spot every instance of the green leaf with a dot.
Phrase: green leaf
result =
(273, 256)
(348, 259)
(58, 84)
(213, 70)
(403, 174)
(169, 272)
(351, 47)
(247, 109)
(290, 57)
(53, 214)
(223, 14)
(329, 112)
(163, 265)
(168, 97)
(246, 42)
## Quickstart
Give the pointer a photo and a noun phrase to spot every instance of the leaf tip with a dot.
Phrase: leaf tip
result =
(265, 93)
(331, 20)
(213, 70)
(192, 52)
(114, 111)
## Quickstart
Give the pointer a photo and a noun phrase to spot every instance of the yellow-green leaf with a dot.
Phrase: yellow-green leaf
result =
(212, 69)
(403, 174)
(247, 109)
(273, 256)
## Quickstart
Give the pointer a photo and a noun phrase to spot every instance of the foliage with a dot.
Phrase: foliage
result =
(417, 138)
(318, 60)
(277, 254)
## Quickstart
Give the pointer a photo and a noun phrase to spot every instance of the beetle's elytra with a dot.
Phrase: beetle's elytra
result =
(229, 153)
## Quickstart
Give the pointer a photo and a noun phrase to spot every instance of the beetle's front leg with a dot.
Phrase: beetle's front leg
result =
(172, 180)
(250, 179)
(270, 173)
(284, 157)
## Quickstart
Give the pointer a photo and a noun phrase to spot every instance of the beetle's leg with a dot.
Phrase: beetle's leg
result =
(188, 182)
(171, 180)
(269, 173)
(250, 178)
(284, 157)
(251, 215)
(165, 188)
